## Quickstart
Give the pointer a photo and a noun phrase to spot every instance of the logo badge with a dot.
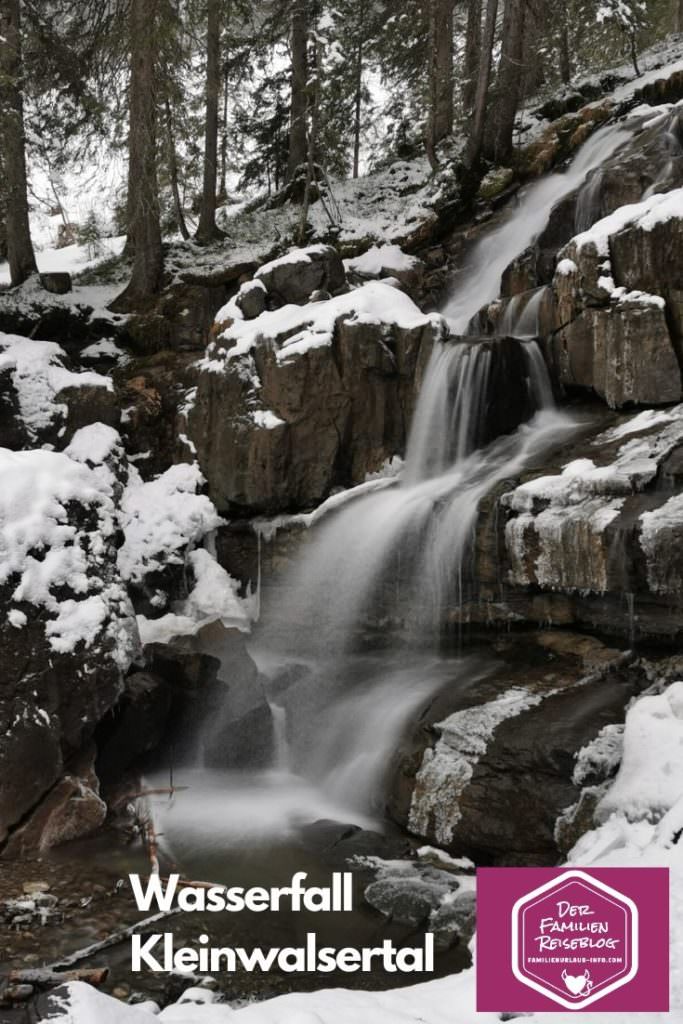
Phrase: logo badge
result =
(566, 939)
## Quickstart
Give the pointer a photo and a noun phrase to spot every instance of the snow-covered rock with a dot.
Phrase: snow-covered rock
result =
(68, 632)
(303, 399)
(40, 399)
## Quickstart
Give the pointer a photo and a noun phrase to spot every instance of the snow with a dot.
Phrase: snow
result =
(298, 329)
(213, 598)
(38, 374)
(381, 260)
(94, 444)
(447, 768)
(266, 419)
(162, 518)
(565, 267)
(105, 348)
(644, 420)
(42, 550)
(70, 259)
(650, 777)
(601, 756)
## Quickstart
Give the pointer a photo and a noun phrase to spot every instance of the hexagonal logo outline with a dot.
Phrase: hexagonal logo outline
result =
(614, 896)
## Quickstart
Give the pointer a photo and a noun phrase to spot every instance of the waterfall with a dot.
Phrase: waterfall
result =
(397, 557)
(479, 283)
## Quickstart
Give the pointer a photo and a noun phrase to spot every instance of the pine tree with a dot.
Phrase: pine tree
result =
(630, 17)
(89, 234)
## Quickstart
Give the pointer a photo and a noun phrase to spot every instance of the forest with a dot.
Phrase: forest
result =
(341, 510)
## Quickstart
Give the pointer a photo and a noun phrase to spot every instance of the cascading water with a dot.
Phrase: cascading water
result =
(479, 282)
(397, 556)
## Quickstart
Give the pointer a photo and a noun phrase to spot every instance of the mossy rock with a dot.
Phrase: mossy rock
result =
(495, 182)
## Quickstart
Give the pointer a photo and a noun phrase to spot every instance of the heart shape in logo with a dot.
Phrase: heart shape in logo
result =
(575, 983)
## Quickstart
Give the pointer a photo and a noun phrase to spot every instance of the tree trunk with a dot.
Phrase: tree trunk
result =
(472, 53)
(22, 261)
(440, 122)
(313, 101)
(173, 173)
(357, 105)
(634, 52)
(679, 17)
(508, 84)
(207, 230)
(476, 139)
(297, 111)
(223, 189)
(146, 278)
(565, 52)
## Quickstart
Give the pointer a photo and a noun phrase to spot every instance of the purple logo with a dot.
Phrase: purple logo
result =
(564, 939)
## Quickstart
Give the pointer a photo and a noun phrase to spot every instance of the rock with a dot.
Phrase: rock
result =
(67, 644)
(57, 282)
(495, 182)
(152, 392)
(251, 299)
(294, 277)
(135, 727)
(89, 404)
(475, 791)
(42, 402)
(623, 353)
(71, 809)
(217, 698)
(276, 431)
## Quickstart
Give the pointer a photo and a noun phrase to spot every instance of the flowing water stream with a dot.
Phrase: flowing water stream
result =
(393, 559)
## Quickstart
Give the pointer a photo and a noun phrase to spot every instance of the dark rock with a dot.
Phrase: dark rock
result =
(66, 653)
(481, 796)
(58, 283)
(89, 404)
(72, 809)
(135, 727)
(216, 697)
(251, 299)
(293, 278)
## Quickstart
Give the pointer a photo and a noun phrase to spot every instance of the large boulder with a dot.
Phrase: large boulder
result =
(44, 402)
(304, 399)
(68, 633)
(467, 779)
(295, 276)
(619, 300)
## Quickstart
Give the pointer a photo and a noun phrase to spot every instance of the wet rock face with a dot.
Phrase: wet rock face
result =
(314, 401)
(469, 781)
(588, 537)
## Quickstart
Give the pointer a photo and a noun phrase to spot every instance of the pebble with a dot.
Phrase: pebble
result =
(33, 888)
(121, 992)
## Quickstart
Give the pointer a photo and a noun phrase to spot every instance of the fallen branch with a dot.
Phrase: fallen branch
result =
(110, 940)
(45, 977)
